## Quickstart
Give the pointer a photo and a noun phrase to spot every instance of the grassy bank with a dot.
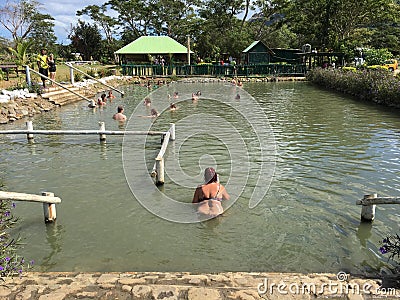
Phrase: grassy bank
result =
(379, 86)
(62, 75)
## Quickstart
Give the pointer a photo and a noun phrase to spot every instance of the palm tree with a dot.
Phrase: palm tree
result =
(21, 57)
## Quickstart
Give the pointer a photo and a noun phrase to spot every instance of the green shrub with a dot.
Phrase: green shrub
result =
(92, 72)
(78, 76)
(375, 85)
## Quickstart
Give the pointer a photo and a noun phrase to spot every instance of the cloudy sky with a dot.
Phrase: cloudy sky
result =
(64, 13)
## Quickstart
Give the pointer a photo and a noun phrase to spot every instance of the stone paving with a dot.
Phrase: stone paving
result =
(168, 286)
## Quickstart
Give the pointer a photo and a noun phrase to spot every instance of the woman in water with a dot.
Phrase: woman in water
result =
(208, 196)
(172, 107)
(195, 97)
(110, 95)
(147, 101)
(153, 113)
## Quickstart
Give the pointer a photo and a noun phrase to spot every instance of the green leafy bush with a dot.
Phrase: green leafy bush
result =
(375, 85)
(78, 76)
(376, 56)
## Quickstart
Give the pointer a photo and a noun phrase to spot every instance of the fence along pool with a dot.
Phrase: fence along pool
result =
(214, 70)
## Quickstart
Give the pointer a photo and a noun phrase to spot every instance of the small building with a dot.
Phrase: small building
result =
(153, 49)
(289, 56)
(324, 59)
(259, 53)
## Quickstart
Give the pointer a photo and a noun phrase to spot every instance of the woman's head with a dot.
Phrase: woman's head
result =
(210, 175)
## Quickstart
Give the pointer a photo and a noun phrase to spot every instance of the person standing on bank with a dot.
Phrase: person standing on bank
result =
(52, 67)
(43, 66)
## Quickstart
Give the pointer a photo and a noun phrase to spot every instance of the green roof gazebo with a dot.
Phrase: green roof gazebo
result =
(148, 48)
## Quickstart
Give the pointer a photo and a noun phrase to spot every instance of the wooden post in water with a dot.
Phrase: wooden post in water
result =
(102, 128)
(172, 131)
(159, 171)
(49, 209)
(29, 126)
(368, 211)
(48, 200)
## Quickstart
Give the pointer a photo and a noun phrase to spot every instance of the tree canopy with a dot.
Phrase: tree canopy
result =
(87, 40)
(216, 28)
(24, 21)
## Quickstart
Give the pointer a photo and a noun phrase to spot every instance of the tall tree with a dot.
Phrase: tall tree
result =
(86, 39)
(23, 20)
(175, 18)
(108, 24)
(101, 19)
(268, 24)
(222, 32)
(134, 16)
(42, 34)
(386, 36)
(328, 23)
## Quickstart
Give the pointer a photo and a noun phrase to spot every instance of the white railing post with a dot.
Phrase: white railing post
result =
(29, 126)
(102, 128)
(49, 209)
(159, 171)
(28, 76)
(71, 74)
(172, 131)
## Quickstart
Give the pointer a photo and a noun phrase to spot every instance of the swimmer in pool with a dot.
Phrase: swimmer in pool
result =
(119, 116)
(208, 197)
(172, 107)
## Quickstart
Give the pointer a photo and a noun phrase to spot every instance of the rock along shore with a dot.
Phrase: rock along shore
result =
(182, 285)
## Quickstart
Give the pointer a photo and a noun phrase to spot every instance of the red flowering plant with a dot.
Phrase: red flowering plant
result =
(11, 264)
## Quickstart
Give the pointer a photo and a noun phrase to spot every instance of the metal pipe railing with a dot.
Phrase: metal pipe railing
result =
(59, 84)
(91, 77)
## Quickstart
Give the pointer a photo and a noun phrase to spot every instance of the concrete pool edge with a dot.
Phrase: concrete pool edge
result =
(185, 285)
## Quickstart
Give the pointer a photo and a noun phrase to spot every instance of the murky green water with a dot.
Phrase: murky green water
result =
(330, 151)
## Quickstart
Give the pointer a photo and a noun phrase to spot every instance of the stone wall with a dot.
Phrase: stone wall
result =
(178, 285)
